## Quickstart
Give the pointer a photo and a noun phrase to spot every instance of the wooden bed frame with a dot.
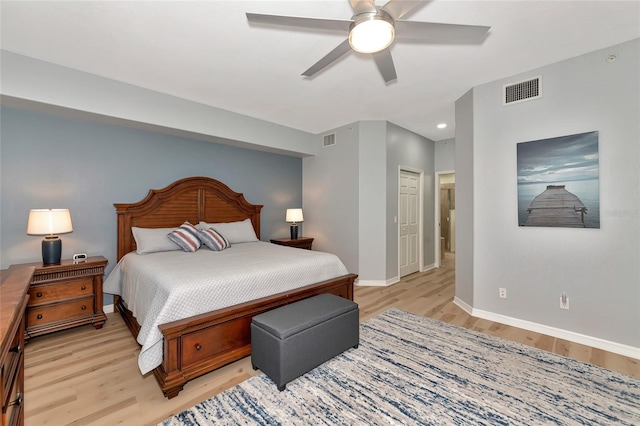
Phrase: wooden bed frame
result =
(197, 345)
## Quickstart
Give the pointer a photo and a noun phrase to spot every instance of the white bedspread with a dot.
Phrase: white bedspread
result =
(167, 286)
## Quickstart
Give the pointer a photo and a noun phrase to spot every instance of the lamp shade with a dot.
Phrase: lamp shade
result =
(294, 215)
(49, 222)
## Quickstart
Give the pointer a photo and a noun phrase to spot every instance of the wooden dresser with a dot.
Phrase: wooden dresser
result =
(13, 304)
(65, 295)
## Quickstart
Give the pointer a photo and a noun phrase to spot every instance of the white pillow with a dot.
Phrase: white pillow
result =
(151, 240)
(234, 232)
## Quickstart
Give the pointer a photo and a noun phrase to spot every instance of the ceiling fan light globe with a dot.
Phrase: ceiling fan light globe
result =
(370, 36)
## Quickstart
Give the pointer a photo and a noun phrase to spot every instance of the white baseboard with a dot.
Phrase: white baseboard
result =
(571, 336)
(390, 281)
(108, 308)
(372, 283)
(463, 305)
(428, 267)
(393, 280)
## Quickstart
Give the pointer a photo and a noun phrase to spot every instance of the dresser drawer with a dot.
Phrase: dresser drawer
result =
(11, 366)
(60, 311)
(14, 413)
(39, 294)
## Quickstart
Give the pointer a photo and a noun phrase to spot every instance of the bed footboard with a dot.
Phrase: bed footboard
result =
(203, 343)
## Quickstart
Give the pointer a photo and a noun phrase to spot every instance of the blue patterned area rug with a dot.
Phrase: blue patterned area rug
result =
(413, 370)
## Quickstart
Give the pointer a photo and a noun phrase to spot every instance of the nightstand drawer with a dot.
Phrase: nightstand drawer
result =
(65, 295)
(61, 311)
(39, 294)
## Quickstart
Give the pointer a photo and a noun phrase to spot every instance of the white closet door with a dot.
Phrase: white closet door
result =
(409, 229)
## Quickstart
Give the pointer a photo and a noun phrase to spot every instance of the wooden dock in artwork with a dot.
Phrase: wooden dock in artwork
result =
(556, 207)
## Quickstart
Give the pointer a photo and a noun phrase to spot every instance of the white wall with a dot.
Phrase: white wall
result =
(445, 155)
(597, 268)
(372, 190)
(350, 196)
(464, 148)
(31, 83)
(330, 202)
(413, 152)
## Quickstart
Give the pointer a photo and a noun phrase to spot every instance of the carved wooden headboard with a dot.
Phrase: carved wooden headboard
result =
(194, 199)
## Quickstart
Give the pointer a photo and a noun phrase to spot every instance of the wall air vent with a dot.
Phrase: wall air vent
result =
(522, 91)
(329, 140)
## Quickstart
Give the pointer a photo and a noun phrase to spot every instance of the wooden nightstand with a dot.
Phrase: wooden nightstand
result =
(300, 242)
(65, 295)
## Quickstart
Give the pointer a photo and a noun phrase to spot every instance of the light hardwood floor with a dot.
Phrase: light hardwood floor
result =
(85, 376)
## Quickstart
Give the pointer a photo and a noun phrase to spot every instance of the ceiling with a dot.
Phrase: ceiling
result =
(207, 52)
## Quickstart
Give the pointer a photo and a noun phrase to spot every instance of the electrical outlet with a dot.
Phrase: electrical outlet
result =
(502, 293)
(564, 301)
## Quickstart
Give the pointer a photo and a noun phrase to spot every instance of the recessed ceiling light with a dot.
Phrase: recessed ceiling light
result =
(442, 125)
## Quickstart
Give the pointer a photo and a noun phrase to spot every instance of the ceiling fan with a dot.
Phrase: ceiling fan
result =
(373, 29)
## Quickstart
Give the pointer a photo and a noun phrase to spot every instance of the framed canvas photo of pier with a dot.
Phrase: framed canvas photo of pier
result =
(558, 182)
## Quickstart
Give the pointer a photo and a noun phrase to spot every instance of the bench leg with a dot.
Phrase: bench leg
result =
(281, 388)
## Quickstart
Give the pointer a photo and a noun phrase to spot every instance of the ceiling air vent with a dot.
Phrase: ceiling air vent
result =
(521, 91)
(329, 140)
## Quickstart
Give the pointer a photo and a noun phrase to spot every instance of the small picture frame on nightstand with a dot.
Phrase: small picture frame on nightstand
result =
(79, 258)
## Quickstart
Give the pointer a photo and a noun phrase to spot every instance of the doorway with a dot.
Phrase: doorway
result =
(446, 216)
(409, 223)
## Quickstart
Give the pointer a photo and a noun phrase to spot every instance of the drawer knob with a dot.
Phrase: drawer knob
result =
(38, 294)
(39, 316)
(83, 307)
(84, 287)
(18, 400)
(198, 347)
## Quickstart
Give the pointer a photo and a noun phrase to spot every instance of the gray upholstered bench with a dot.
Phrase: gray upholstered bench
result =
(289, 341)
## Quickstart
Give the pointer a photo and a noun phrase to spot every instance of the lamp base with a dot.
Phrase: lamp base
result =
(294, 232)
(51, 250)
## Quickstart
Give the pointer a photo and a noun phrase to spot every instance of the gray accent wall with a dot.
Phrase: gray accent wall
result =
(598, 269)
(48, 161)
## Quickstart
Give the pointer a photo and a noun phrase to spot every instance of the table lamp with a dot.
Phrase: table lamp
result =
(293, 216)
(50, 222)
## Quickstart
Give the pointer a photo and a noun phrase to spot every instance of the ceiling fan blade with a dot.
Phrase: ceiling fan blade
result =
(397, 9)
(329, 58)
(295, 21)
(362, 6)
(440, 33)
(384, 61)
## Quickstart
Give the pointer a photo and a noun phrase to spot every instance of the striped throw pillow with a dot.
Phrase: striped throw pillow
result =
(186, 236)
(214, 240)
